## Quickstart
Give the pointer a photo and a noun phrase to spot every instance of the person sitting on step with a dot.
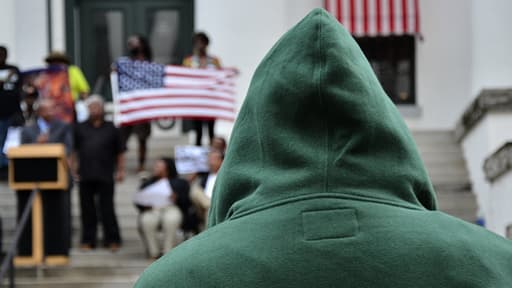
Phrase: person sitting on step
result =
(159, 202)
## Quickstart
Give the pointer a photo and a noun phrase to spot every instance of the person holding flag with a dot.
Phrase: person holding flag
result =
(140, 55)
(202, 60)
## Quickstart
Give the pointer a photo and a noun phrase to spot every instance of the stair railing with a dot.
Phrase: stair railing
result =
(8, 261)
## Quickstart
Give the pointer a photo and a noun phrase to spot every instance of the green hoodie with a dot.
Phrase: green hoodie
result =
(322, 186)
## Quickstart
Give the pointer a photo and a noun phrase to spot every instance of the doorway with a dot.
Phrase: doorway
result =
(100, 29)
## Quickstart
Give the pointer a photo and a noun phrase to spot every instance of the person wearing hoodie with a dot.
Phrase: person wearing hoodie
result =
(323, 186)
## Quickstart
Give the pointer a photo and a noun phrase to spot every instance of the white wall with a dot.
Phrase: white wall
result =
(443, 68)
(494, 130)
(7, 33)
(24, 31)
(466, 44)
(30, 26)
(492, 45)
(58, 25)
(501, 215)
(242, 32)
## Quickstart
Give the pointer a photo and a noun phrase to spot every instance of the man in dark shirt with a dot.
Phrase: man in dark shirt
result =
(9, 98)
(100, 153)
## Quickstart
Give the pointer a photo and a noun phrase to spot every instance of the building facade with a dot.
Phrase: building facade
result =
(463, 46)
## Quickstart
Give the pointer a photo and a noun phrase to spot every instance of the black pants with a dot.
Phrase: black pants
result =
(56, 221)
(142, 131)
(98, 196)
(198, 127)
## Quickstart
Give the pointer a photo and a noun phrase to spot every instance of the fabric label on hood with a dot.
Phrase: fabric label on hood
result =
(329, 224)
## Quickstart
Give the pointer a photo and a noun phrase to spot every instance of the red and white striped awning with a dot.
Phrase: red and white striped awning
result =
(377, 17)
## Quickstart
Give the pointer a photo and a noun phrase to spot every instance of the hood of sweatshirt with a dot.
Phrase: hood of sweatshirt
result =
(316, 121)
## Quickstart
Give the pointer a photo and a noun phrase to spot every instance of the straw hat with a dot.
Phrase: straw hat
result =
(56, 56)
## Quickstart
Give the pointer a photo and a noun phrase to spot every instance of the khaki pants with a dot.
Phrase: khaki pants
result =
(201, 201)
(169, 219)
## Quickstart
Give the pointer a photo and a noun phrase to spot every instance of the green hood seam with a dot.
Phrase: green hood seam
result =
(233, 216)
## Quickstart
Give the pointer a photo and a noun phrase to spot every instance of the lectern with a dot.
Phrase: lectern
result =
(38, 167)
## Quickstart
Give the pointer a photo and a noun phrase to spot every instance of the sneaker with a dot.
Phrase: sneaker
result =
(114, 247)
(86, 247)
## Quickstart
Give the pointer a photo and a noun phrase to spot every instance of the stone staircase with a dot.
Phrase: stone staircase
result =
(102, 268)
(446, 166)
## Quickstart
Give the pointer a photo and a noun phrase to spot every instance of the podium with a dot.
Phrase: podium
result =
(38, 167)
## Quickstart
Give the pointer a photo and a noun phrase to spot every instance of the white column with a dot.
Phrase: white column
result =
(7, 30)
(31, 33)
(58, 25)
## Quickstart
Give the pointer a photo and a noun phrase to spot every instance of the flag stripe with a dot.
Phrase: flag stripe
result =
(178, 106)
(178, 112)
(164, 92)
(404, 16)
(229, 91)
(377, 17)
(365, 17)
(140, 120)
(352, 16)
(190, 72)
(177, 102)
(224, 84)
(416, 16)
(391, 8)
(340, 11)
(164, 97)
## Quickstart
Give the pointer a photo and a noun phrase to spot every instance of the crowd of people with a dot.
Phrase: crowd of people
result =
(54, 105)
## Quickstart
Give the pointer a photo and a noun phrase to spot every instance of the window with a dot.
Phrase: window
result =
(393, 61)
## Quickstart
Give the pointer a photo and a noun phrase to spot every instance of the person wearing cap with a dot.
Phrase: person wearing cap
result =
(78, 85)
(323, 186)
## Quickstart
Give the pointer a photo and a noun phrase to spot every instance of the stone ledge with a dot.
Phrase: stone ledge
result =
(499, 163)
(409, 110)
(488, 100)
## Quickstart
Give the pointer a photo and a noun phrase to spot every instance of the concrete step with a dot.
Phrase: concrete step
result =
(429, 148)
(442, 158)
(83, 281)
(125, 221)
(74, 271)
(446, 167)
(9, 210)
(101, 268)
(458, 203)
(434, 137)
(447, 181)
(127, 232)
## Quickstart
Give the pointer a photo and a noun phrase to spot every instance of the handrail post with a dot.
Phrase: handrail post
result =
(37, 227)
(11, 273)
(9, 257)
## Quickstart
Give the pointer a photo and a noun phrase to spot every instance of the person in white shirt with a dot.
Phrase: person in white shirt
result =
(157, 202)
(202, 191)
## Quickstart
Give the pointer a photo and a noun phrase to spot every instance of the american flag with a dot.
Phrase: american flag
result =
(377, 17)
(145, 91)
